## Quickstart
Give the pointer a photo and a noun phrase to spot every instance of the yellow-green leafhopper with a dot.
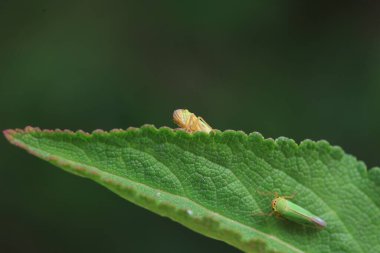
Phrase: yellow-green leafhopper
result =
(282, 207)
(189, 122)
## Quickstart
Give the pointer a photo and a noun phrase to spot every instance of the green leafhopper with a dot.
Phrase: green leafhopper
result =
(189, 122)
(282, 207)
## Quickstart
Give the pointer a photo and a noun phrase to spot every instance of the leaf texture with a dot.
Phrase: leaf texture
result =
(214, 183)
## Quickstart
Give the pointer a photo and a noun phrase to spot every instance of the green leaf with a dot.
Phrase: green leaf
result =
(211, 183)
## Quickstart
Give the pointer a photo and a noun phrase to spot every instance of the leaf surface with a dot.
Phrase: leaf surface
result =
(214, 183)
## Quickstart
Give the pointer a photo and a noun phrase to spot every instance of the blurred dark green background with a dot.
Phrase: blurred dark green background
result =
(283, 68)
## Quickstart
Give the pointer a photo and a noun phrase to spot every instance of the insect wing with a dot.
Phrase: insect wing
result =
(309, 218)
(319, 222)
(204, 126)
(181, 117)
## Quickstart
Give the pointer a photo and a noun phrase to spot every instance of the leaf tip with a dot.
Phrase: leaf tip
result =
(10, 136)
(8, 133)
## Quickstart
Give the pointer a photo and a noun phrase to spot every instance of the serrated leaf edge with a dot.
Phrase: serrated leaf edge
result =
(373, 174)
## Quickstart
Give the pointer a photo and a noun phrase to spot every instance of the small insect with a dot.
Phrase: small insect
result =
(189, 122)
(282, 207)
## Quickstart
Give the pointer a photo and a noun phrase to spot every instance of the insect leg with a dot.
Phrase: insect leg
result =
(267, 193)
(263, 214)
(192, 123)
(290, 196)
